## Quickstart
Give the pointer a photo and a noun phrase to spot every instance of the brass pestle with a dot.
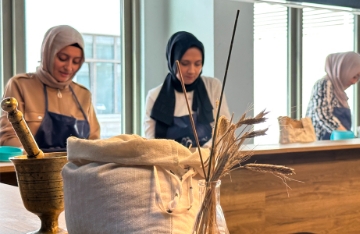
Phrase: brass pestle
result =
(38, 174)
(16, 118)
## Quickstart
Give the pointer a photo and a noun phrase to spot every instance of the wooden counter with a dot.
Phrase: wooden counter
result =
(327, 200)
(303, 147)
(6, 167)
(14, 218)
(7, 173)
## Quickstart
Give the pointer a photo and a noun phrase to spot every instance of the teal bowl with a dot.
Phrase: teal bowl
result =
(7, 152)
(341, 135)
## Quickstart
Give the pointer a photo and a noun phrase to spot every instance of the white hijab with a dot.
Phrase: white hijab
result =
(55, 39)
(340, 68)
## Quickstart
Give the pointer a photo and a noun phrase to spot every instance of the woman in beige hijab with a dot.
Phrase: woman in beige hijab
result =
(328, 107)
(54, 106)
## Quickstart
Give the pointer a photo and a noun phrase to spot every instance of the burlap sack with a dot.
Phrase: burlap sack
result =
(128, 184)
(293, 131)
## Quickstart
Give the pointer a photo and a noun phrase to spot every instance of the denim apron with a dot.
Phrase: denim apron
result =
(344, 116)
(56, 128)
(181, 131)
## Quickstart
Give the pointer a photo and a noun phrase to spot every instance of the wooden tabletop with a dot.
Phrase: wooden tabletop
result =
(14, 218)
(303, 147)
(6, 167)
(267, 149)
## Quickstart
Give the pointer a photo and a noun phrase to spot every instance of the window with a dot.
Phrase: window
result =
(101, 72)
(270, 67)
(324, 32)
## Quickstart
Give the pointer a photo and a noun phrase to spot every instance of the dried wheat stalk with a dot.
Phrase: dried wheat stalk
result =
(226, 154)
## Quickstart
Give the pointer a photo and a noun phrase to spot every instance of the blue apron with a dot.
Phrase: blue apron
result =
(344, 116)
(181, 131)
(56, 128)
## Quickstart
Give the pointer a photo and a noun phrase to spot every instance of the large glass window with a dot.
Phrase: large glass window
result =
(101, 71)
(324, 32)
(101, 75)
(270, 66)
(105, 47)
(83, 76)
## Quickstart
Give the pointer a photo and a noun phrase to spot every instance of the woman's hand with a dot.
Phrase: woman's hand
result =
(341, 128)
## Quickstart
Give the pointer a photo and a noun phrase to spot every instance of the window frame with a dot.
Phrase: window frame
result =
(92, 63)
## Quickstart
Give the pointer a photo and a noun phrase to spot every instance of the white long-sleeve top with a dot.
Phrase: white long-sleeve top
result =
(213, 87)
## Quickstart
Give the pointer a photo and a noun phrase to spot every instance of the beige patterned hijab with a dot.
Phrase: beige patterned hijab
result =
(55, 39)
(340, 69)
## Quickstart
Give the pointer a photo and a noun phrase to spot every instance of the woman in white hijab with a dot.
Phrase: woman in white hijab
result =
(54, 106)
(328, 107)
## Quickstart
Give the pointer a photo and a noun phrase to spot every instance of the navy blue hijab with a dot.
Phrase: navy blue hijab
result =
(164, 106)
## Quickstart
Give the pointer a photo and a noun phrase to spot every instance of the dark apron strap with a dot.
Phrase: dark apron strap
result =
(46, 99)
(344, 116)
(78, 103)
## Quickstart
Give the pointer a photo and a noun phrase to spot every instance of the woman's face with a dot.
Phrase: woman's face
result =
(66, 63)
(352, 81)
(190, 65)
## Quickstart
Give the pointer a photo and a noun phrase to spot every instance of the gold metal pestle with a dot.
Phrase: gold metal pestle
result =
(38, 174)
(16, 118)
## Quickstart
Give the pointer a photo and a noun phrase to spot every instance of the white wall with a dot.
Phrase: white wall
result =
(154, 36)
(239, 87)
(196, 17)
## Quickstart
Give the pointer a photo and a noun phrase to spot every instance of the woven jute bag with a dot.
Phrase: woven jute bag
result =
(296, 131)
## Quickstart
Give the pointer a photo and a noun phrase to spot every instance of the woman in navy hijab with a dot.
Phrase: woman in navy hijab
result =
(167, 116)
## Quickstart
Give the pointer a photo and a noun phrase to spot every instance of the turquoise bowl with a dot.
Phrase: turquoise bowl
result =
(7, 152)
(341, 135)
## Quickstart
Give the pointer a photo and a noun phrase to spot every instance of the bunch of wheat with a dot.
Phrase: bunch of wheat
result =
(226, 154)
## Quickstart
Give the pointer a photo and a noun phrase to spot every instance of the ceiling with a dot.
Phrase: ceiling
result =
(352, 6)
(342, 3)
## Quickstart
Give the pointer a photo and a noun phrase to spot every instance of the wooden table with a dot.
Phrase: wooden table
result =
(14, 218)
(6, 167)
(7, 173)
(327, 200)
(276, 149)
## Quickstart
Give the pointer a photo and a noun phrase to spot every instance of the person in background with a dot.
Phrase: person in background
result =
(54, 106)
(167, 115)
(328, 107)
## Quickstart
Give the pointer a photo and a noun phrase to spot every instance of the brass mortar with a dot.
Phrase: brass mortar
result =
(41, 188)
(38, 174)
